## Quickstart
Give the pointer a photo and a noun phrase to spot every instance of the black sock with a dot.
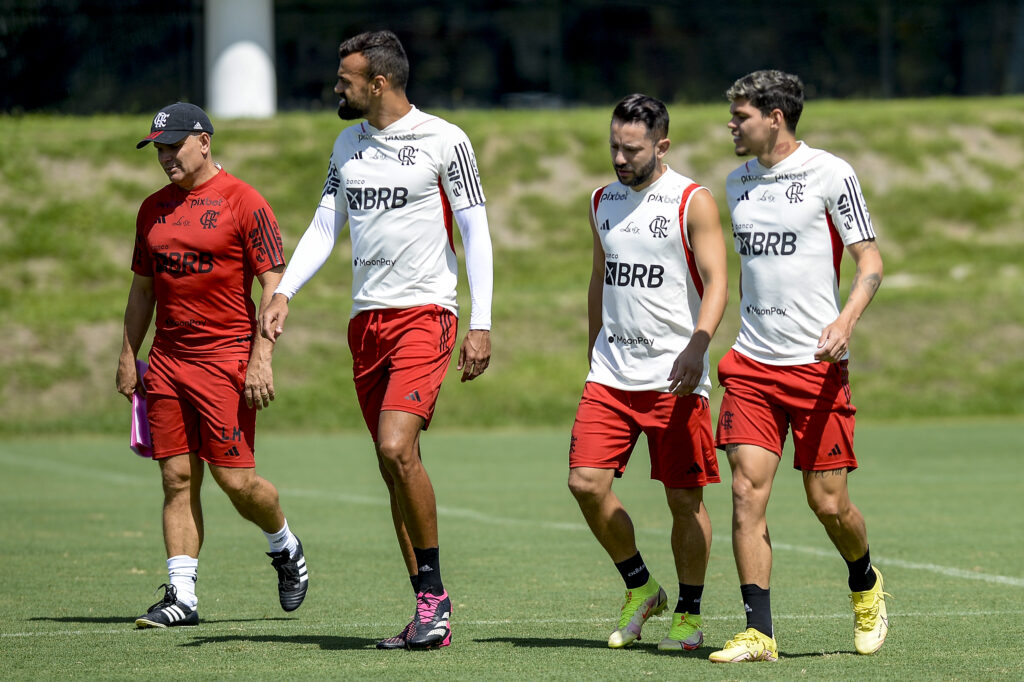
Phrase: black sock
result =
(862, 576)
(634, 572)
(415, 580)
(429, 565)
(758, 605)
(689, 599)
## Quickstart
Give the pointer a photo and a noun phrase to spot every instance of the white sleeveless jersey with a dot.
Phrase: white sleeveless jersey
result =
(790, 224)
(398, 187)
(652, 290)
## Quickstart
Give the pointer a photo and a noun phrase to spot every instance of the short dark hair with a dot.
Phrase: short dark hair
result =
(637, 108)
(384, 54)
(770, 89)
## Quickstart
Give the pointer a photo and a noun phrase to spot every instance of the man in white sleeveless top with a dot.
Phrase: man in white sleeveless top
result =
(398, 179)
(657, 293)
(794, 209)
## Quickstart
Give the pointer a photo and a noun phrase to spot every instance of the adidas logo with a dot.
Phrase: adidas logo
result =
(605, 226)
(414, 396)
(695, 469)
(835, 451)
(232, 452)
(425, 569)
(197, 126)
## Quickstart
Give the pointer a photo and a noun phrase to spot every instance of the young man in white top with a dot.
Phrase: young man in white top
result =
(657, 294)
(794, 210)
(398, 179)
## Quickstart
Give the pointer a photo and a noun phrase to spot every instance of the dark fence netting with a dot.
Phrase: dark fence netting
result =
(84, 56)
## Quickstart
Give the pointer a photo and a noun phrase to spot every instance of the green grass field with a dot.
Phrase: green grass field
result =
(534, 596)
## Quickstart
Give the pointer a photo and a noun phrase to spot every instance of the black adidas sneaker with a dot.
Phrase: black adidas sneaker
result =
(168, 612)
(292, 577)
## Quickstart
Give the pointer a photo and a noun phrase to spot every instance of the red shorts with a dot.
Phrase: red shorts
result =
(199, 406)
(678, 428)
(399, 359)
(762, 402)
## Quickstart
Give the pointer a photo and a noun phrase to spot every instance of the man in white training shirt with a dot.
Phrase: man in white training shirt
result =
(657, 293)
(398, 179)
(794, 209)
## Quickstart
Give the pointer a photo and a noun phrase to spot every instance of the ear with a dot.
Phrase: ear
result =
(661, 147)
(378, 84)
(778, 119)
(204, 143)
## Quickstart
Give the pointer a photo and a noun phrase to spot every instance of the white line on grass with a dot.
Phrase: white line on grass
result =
(913, 565)
(495, 623)
(50, 466)
(72, 471)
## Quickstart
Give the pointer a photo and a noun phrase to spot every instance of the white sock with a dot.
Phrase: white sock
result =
(182, 572)
(283, 539)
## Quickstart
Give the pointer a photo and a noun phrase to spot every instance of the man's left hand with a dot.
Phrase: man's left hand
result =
(475, 354)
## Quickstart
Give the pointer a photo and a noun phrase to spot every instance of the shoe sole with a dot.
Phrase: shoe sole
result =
(745, 658)
(431, 645)
(142, 624)
(669, 644)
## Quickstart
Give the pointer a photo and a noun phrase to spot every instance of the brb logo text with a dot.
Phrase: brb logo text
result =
(618, 274)
(376, 198)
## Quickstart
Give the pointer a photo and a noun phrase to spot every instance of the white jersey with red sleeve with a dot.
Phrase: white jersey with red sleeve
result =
(652, 289)
(790, 224)
(398, 187)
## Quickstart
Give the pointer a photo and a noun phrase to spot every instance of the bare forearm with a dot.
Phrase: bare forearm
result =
(138, 315)
(866, 281)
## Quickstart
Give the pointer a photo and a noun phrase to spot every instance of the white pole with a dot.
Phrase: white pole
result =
(239, 38)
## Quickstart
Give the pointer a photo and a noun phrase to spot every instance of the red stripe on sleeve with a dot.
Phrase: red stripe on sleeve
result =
(597, 199)
(446, 211)
(691, 262)
(837, 245)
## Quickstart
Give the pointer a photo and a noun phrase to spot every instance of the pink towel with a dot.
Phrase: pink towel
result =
(140, 441)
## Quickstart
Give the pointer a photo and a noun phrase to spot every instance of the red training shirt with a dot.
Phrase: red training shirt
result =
(202, 248)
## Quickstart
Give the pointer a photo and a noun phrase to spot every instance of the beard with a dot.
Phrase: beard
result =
(348, 112)
(642, 175)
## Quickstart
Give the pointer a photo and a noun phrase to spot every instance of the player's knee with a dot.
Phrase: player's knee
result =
(826, 509)
(685, 502)
(176, 483)
(397, 458)
(743, 489)
(584, 487)
(238, 483)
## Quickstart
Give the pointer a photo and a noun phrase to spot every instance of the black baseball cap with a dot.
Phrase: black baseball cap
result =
(175, 122)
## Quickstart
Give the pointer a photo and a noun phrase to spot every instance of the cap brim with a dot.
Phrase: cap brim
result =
(164, 137)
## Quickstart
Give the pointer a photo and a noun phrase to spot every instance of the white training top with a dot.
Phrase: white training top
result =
(652, 290)
(790, 224)
(398, 188)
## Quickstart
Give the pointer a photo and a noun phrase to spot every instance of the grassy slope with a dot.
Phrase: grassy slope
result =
(941, 338)
(534, 594)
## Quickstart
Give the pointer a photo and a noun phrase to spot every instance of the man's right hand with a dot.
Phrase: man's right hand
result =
(273, 317)
(127, 379)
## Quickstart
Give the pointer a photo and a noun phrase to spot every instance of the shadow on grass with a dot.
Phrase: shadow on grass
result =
(816, 654)
(327, 643)
(544, 642)
(131, 619)
(87, 619)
